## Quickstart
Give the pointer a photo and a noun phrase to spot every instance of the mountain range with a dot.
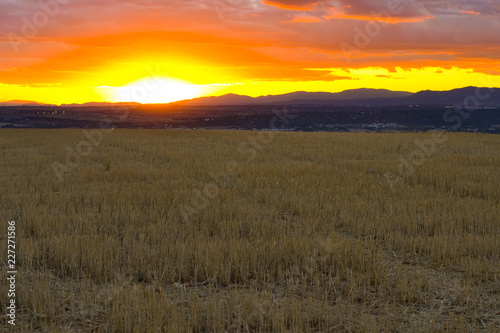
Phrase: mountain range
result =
(361, 97)
(23, 103)
(324, 97)
(354, 97)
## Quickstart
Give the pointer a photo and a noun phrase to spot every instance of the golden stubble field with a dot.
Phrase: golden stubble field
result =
(213, 231)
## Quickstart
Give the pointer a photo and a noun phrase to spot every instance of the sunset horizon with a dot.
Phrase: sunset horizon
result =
(56, 52)
(201, 97)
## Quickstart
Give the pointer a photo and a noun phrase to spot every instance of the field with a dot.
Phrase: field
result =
(247, 231)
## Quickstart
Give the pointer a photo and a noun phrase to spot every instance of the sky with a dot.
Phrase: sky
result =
(158, 51)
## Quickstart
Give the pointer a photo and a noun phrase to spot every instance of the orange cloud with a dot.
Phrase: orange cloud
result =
(292, 4)
(271, 45)
(305, 19)
(469, 12)
(335, 15)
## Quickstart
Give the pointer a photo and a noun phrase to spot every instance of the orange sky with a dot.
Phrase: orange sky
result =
(76, 51)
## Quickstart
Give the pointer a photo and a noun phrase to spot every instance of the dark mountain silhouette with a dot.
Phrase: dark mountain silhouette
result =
(22, 103)
(362, 97)
(464, 95)
(355, 97)
(99, 104)
(311, 97)
(229, 99)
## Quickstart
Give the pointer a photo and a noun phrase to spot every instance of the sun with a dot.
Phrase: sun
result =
(153, 89)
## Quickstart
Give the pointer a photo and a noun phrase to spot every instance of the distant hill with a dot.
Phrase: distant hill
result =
(99, 104)
(429, 97)
(91, 104)
(468, 95)
(353, 97)
(23, 103)
(311, 97)
(375, 97)
(229, 99)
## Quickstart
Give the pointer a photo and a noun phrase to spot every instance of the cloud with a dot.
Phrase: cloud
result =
(305, 18)
(293, 4)
(359, 9)
(269, 39)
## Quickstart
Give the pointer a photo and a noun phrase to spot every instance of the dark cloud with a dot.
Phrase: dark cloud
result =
(400, 8)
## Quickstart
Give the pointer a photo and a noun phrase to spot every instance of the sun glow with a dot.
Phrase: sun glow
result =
(153, 89)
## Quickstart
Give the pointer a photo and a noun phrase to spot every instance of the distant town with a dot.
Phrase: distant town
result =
(468, 109)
